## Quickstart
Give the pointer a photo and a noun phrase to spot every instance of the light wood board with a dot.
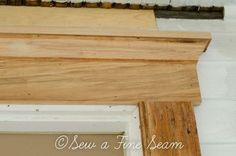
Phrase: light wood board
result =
(104, 82)
(62, 20)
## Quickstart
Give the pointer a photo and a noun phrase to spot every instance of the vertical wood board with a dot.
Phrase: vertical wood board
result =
(169, 122)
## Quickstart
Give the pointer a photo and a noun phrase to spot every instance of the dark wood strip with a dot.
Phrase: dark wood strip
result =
(3, 2)
(191, 12)
(32, 2)
(14, 2)
(184, 12)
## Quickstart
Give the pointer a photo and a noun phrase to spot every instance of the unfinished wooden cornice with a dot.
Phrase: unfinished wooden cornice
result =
(115, 68)
(118, 57)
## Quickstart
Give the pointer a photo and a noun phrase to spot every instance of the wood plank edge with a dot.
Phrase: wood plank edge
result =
(166, 35)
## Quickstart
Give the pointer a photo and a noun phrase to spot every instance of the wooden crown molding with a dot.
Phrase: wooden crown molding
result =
(101, 68)
(117, 58)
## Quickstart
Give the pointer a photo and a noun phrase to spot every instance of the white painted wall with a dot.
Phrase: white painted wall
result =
(216, 117)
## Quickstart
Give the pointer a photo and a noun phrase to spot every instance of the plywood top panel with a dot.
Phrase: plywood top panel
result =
(39, 18)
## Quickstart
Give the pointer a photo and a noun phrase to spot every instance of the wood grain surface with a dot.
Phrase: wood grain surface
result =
(72, 19)
(169, 122)
(84, 81)
(99, 69)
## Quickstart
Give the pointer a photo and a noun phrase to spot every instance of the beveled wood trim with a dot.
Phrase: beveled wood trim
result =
(131, 47)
